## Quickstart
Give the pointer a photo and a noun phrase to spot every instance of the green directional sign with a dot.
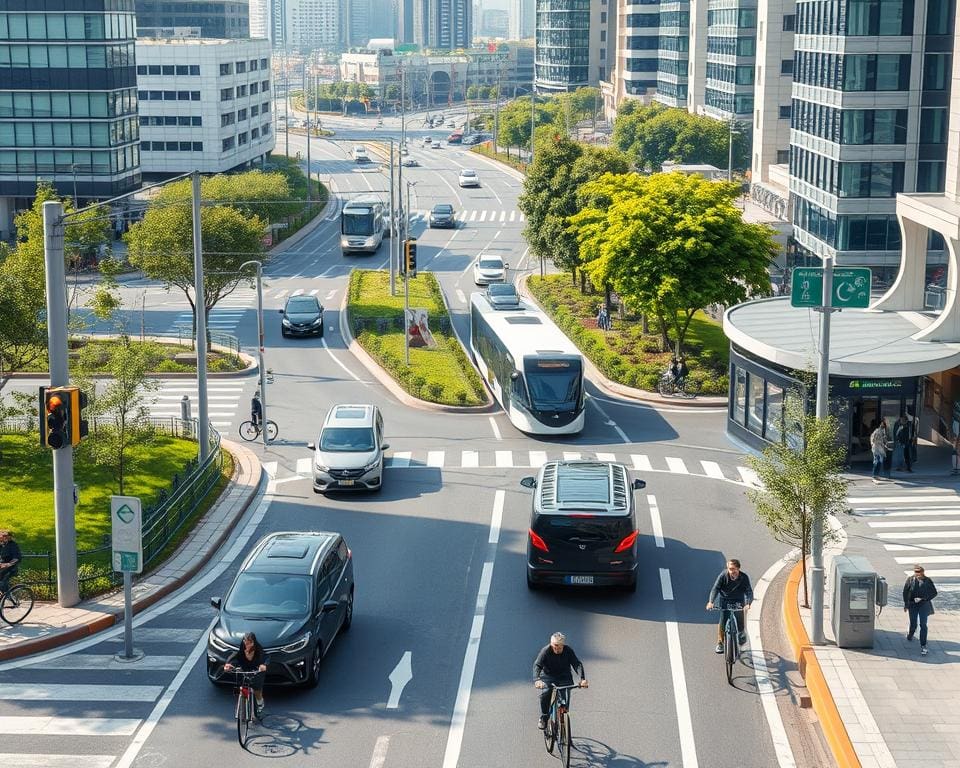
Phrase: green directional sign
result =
(851, 287)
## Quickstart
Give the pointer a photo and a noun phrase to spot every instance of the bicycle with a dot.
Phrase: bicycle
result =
(557, 731)
(246, 709)
(250, 431)
(16, 604)
(731, 639)
(667, 386)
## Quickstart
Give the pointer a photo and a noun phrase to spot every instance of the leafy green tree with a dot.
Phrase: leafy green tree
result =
(392, 93)
(801, 479)
(473, 92)
(267, 196)
(106, 296)
(671, 244)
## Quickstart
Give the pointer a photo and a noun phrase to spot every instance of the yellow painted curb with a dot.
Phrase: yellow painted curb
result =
(823, 704)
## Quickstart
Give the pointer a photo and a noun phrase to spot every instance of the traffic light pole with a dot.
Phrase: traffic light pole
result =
(406, 287)
(68, 590)
(199, 311)
(260, 348)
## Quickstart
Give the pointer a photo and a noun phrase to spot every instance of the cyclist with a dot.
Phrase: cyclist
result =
(9, 559)
(680, 376)
(251, 657)
(553, 665)
(256, 409)
(731, 587)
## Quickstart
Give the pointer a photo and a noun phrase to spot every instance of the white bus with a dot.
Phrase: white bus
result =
(533, 369)
(362, 225)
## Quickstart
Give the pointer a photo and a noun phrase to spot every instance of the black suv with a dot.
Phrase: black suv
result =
(302, 316)
(442, 216)
(295, 592)
(583, 528)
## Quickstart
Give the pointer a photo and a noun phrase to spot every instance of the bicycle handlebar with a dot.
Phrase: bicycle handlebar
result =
(729, 607)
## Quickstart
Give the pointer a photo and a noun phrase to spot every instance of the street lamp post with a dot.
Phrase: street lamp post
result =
(260, 346)
(734, 129)
(307, 108)
(533, 119)
(406, 284)
(76, 203)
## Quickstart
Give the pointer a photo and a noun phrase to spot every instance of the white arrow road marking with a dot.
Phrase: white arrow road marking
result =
(401, 675)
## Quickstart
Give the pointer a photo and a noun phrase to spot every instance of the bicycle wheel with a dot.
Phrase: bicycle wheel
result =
(549, 736)
(248, 431)
(17, 604)
(565, 740)
(691, 388)
(272, 430)
(729, 651)
(665, 387)
(243, 717)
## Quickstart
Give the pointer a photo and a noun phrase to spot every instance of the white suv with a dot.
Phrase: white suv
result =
(468, 178)
(348, 454)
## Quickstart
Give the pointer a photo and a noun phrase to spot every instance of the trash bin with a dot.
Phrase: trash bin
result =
(856, 590)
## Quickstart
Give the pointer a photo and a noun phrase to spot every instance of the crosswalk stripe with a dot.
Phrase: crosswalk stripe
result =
(513, 215)
(538, 459)
(34, 760)
(473, 215)
(401, 459)
(504, 458)
(435, 458)
(749, 476)
(483, 216)
(304, 467)
(101, 662)
(571, 456)
(866, 511)
(641, 462)
(185, 635)
(927, 559)
(470, 459)
(73, 692)
(606, 457)
(905, 499)
(677, 465)
(280, 294)
(922, 535)
(315, 291)
(297, 292)
(935, 545)
(522, 217)
(493, 216)
(942, 573)
(913, 523)
(503, 216)
(45, 725)
(712, 469)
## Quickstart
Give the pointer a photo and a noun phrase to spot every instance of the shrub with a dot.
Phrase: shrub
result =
(171, 366)
(461, 397)
(435, 389)
(417, 381)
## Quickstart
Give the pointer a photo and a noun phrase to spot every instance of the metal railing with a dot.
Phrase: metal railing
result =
(163, 518)
(185, 335)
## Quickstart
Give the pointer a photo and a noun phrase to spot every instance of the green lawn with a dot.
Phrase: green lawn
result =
(625, 354)
(160, 357)
(441, 375)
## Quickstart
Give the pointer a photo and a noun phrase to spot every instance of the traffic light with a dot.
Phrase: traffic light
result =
(55, 417)
(410, 256)
(79, 426)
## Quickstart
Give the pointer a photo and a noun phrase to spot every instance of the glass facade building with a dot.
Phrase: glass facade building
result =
(730, 59)
(673, 54)
(562, 57)
(68, 100)
(220, 19)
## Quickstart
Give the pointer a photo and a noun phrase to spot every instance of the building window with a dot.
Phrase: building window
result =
(226, 119)
(789, 22)
(936, 71)
(933, 125)
(774, 425)
(739, 404)
(264, 64)
(254, 133)
(931, 176)
(241, 114)
(198, 146)
(242, 138)
(194, 95)
(226, 69)
(783, 156)
(183, 95)
(241, 67)
(265, 108)
(254, 110)
(254, 88)
(253, 65)
(226, 94)
(784, 112)
(879, 17)
(227, 144)
(756, 406)
(265, 86)
(786, 66)
(168, 70)
(241, 91)
(186, 146)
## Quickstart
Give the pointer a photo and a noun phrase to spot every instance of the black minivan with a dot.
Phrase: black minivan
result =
(295, 592)
(583, 527)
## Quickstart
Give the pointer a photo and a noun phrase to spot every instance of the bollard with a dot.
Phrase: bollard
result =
(185, 416)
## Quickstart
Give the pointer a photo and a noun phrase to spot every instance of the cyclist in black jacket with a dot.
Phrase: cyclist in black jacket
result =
(554, 665)
(251, 658)
(731, 587)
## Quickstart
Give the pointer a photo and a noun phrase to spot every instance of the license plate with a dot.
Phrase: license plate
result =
(346, 482)
(579, 579)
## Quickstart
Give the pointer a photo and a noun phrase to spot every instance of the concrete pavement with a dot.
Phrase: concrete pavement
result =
(49, 626)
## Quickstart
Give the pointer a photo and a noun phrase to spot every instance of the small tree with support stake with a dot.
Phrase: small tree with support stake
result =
(801, 479)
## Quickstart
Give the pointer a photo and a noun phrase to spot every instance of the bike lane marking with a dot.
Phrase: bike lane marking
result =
(688, 745)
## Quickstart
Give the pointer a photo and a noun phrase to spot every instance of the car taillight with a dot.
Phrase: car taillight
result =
(627, 542)
(538, 542)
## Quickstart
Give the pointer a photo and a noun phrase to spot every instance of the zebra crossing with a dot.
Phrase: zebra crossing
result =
(225, 316)
(917, 525)
(481, 216)
(465, 459)
(223, 400)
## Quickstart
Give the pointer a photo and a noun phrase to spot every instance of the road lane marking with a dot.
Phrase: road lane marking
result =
(655, 520)
(473, 215)
(949, 496)
(496, 429)
(45, 725)
(927, 559)
(914, 524)
(688, 746)
(921, 535)
(503, 458)
(666, 586)
(435, 458)
(571, 456)
(606, 457)
(538, 459)
(712, 469)
(330, 294)
(400, 459)
(920, 512)
(305, 467)
(401, 675)
(641, 462)
(270, 467)
(75, 692)
(610, 422)
(503, 215)
(676, 465)
(297, 292)
(341, 364)
(935, 545)
(34, 760)
(483, 216)
(379, 757)
(315, 291)
(750, 477)
(461, 297)
(451, 755)
(943, 573)
(470, 459)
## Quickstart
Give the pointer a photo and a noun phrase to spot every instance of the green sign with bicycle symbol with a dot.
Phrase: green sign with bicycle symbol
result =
(851, 287)
(126, 520)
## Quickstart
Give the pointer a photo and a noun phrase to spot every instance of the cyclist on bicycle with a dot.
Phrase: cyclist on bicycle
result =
(256, 409)
(553, 665)
(9, 559)
(680, 376)
(732, 587)
(251, 658)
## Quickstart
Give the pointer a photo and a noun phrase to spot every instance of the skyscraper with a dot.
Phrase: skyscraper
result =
(576, 43)
(443, 24)
(260, 18)
(305, 24)
(222, 19)
(355, 17)
(523, 19)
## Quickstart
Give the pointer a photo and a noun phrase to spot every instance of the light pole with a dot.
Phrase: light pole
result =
(734, 129)
(286, 103)
(199, 310)
(76, 203)
(533, 119)
(406, 283)
(307, 108)
(260, 346)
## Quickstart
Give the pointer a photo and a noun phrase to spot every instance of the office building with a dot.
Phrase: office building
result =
(355, 17)
(637, 52)
(204, 104)
(214, 18)
(576, 44)
(673, 50)
(442, 25)
(731, 55)
(305, 25)
(68, 104)
(494, 23)
(523, 19)
(260, 18)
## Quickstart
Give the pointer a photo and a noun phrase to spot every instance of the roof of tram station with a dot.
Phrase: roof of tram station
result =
(863, 342)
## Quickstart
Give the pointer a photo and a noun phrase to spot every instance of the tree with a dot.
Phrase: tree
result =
(671, 244)
(162, 244)
(473, 92)
(392, 92)
(801, 479)
(255, 193)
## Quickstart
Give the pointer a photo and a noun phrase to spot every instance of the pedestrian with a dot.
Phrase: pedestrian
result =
(902, 436)
(956, 454)
(9, 559)
(878, 447)
(918, 594)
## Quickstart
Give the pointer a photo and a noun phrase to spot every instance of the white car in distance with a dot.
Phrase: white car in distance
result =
(468, 178)
(489, 268)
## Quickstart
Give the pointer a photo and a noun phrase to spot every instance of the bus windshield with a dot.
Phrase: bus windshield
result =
(357, 223)
(553, 385)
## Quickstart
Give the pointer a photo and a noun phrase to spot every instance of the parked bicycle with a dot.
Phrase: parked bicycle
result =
(16, 604)
(246, 712)
(557, 731)
(687, 387)
(731, 636)
(250, 431)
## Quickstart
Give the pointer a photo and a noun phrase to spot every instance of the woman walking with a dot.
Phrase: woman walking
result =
(918, 594)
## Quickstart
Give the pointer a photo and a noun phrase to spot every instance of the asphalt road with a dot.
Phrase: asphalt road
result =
(439, 558)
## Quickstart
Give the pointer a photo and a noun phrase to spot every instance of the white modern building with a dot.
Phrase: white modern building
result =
(259, 18)
(210, 111)
(304, 25)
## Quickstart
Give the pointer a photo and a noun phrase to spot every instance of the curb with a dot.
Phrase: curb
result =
(831, 723)
(307, 228)
(499, 165)
(377, 371)
(112, 616)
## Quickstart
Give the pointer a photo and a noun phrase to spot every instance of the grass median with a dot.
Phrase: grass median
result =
(441, 374)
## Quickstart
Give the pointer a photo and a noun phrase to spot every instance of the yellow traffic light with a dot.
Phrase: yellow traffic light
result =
(55, 417)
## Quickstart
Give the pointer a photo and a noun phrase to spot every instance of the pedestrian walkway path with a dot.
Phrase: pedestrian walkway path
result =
(479, 216)
(224, 399)
(641, 463)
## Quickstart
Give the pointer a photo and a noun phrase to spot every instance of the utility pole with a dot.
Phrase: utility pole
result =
(466, 98)
(823, 400)
(732, 126)
(533, 118)
(260, 348)
(496, 112)
(286, 103)
(203, 425)
(406, 286)
(403, 108)
(68, 590)
(394, 236)
(307, 108)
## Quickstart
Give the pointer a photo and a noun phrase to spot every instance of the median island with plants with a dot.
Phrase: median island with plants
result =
(440, 374)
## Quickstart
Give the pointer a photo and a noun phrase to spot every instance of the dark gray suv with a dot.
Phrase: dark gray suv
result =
(295, 592)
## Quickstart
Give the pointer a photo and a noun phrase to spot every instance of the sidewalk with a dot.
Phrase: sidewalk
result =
(49, 626)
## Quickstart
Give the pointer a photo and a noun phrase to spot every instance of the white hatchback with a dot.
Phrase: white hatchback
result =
(488, 269)
(468, 178)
